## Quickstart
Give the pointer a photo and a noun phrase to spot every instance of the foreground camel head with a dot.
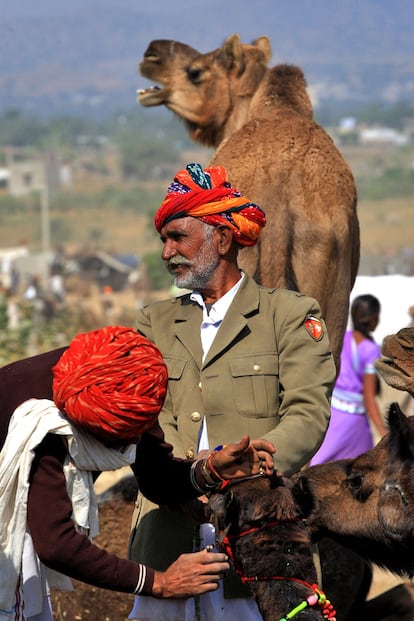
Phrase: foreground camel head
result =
(396, 366)
(367, 503)
(257, 524)
(206, 90)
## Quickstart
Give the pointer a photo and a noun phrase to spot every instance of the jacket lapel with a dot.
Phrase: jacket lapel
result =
(187, 327)
(235, 323)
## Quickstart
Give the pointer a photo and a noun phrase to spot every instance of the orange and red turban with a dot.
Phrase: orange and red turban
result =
(111, 382)
(207, 195)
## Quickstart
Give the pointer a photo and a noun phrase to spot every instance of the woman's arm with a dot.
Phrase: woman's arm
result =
(370, 401)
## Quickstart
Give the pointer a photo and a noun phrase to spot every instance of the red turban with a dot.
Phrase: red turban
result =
(111, 382)
(207, 195)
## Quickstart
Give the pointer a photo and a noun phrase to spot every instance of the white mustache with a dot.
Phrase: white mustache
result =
(178, 261)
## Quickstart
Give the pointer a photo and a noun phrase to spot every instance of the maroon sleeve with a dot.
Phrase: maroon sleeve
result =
(25, 379)
(56, 541)
(162, 478)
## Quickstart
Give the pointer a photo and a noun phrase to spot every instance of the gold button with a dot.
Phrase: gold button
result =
(196, 417)
(200, 385)
(190, 454)
(256, 367)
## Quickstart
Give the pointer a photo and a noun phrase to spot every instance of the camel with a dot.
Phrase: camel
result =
(396, 366)
(375, 491)
(260, 122)
(260, 525)
(367, 503)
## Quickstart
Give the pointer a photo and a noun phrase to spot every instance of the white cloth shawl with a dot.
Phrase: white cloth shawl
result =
(30, 423)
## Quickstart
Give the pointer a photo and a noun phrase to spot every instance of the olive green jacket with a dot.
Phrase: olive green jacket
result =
(265, 375)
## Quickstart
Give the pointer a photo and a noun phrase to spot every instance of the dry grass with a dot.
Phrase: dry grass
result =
(386, 226)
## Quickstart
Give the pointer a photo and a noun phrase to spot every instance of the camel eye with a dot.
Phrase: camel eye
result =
(355, 482)
(194, 75)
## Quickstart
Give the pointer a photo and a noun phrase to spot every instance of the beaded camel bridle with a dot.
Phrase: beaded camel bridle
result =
(224, 542)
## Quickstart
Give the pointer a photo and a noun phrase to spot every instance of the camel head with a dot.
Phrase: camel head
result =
(205, 90)
(367, 503)
(396, 366)
(164, 62)
(257, 525)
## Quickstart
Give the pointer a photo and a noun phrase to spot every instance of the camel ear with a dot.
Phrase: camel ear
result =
(263, 43)
(401, 442)
(232, 54)
(218, 505)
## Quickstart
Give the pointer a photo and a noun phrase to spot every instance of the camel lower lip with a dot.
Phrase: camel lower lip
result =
(152, 96)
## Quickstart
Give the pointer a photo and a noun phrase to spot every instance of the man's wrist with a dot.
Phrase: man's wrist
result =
(202, 480)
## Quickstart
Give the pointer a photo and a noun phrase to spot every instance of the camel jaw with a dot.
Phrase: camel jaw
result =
(393, 374)
(385, 363)
(152, 96)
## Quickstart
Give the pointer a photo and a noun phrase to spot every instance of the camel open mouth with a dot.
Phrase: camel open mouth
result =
(152, 96)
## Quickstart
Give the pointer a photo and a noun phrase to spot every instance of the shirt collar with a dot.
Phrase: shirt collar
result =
(221, 306)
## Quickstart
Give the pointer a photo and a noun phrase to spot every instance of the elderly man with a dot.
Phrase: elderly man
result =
(240, 358)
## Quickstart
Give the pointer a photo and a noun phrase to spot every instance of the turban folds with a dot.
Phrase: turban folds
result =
(111, 382)
(207, 195)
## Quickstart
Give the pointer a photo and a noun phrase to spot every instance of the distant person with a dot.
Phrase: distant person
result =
(32, 290)
(108, 301)
(354, 399)
(56, 286)
(411, 316)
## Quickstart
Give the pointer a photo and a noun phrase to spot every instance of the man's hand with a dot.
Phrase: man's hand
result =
(190, 574)
(243, 458)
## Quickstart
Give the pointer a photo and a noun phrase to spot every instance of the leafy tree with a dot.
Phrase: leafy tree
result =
(390, 116)
(141, 154)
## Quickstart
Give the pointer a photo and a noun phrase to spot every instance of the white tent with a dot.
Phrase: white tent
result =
(396, 295)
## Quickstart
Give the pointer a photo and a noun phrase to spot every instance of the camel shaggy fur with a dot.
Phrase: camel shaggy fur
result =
(260, 122)
(365, 505)
(260, 526)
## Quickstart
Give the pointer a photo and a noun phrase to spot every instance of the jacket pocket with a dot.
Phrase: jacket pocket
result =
(255, 380)
(175, 367)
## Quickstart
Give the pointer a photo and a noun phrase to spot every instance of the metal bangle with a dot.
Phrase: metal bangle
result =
(207, 487)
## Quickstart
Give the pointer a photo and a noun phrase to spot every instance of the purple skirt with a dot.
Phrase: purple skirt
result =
(348, 435)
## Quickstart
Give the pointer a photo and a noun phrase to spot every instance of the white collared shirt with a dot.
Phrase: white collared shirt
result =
(213, 319)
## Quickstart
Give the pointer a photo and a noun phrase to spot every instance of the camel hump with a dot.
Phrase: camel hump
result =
(283, 87)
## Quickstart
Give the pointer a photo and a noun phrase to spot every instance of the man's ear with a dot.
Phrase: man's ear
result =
(225, 239)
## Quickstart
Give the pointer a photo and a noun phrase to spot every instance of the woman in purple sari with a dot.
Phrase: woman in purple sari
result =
(354, 406)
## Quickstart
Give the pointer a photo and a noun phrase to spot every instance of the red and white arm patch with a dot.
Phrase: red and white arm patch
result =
(314, 327)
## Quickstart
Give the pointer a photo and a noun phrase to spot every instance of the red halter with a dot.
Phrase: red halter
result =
(317, 596)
